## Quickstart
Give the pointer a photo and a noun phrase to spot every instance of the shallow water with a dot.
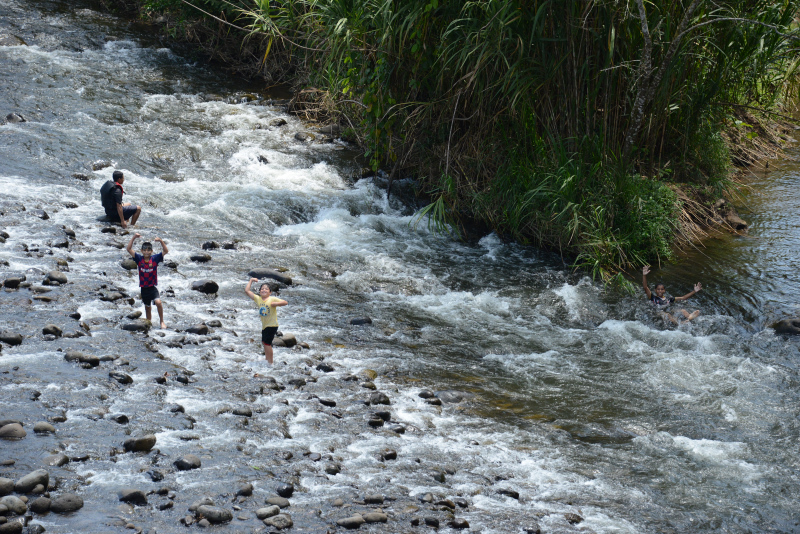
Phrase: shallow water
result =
(581, 400)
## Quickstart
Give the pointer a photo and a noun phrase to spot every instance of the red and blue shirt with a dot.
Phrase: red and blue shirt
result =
(148, 269)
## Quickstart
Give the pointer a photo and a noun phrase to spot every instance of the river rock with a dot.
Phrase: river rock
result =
(269, 273)
(245, 490)
(11, 338)
(132, 496)
(450, 396)
(14, 504)
(11, 527)
(12, 282)
(373, 499)
(214, 514)
(361, 321)
(142, 325)
(375, 517)
(40, 505)
(789, 325)
(285, 490)
(15, 118)
(100, 164)
(56, 460)
(210, 245)
(280, 502)
(40, 214)
(142, 444)
(65, 503)
(12, 431)
(205, 286)
(736, 222)
(244, 411)
(129, 264)
(200, 258)
(277, 123)
(331, 129)
(379, 398)
(199, 329)
(352, 522)
(267, 511)
(205, 501)
(120, 377)
(187, 462)
(43, 428)
(56, 276)
(81, 176)
(289, 340)
(280, 521)
(31, 480)
(6, 486)
(459, 523)
(52, 330)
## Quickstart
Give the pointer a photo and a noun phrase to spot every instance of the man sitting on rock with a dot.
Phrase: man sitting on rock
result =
(111, 197)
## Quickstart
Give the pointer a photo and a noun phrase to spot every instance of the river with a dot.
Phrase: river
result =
(578, 408)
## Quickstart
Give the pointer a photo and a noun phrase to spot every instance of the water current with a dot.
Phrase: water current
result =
(577, 399)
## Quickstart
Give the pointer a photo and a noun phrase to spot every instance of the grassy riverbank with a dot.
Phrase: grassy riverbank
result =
(602, 130)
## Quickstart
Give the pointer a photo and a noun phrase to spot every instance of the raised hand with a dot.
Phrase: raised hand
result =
(253, 280)
(697, 287)
(645, 270)
(137, 235)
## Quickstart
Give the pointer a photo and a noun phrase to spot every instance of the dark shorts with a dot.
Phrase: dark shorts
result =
(149, 294)
(127, 212)
(268, 334)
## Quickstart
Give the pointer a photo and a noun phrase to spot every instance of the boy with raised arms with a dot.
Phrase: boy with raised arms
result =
(662, 302)
(147, 262)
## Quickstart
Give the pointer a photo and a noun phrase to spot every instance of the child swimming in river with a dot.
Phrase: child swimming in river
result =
(662, 303)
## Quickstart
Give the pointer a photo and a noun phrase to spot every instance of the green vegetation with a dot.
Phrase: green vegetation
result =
(564, 124)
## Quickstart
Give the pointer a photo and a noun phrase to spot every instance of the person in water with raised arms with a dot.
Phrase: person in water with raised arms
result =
(147, 262)
(268, 310)
(662, 302)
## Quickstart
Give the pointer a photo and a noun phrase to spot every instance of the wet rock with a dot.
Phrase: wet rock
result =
(352, 522)
(205, 286)
(135, 315)
(187, 462)
(361, 321)
(434, 402)
(200, 258)
(325, 368)
(244, 411)
(12, 282)
(31, 480)
(205, 501)
(141, 444)
(533, 529)
(304, 136)
(52, 330)
(12, 431)
(267, 511)
(132, 496)
(111, 296)
(261, 273)
(56, 460)
(60, 243)
(280, 521)
(375, 517)
(398, 429)
(199, 329)
(331, 129)
(459, 523)
(330, 403)
(14, 118)
(142, 325)
(75, 315)
(736, 222)
(277, 123)
(129, 264)
(379, 398)
(789, 325)
(80, 176)
(285, 490)
(375, 421)
(289, 340)
(108, 230)
(373, 499)
(14, 504)
(40, 505)
(210, 245)
(11, 527)
(263, 159)
(508, 493)
(333, 469)
(215, 514)
(56, 276)
(11, 338)
(6, 486)
(245, 490)
(100, 164)
(432, 522)
(450, 397)
(120, 377)
(40, 214)
(43, 428)
(389, 454)
(461, 502)
(280, 502)
(573, 519)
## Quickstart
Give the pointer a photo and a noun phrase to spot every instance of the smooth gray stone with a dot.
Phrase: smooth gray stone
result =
(215, 514)
(57, 276)
(361, 321)
(379, 398)
(199, 329)
(31, 480)
(12, 527)
(280, 502)
(65, 503)
(205, 501)
(280, 521)
(376, 517)
(351, 522)
(40, 505)
(205, 286)
(244, 411)
(12, 338)
(285, 490)
(267, 511)
(14, 504)
(6, 486)
(52, 330)
(187, 462)
(12, 431)
(57, 460)
(129, 264)
(132, 496)
(245, 490)
(43, 428)
(373, 499)
(451, 396)
(142, 325)
(140, 444)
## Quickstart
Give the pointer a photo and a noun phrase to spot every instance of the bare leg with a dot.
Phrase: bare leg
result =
(160, 312)
(668, 317)
(690, 316)
(135, 218)
(148, 312)
(268, 352)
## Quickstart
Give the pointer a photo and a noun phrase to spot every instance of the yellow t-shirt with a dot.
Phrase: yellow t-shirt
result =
(269, 314)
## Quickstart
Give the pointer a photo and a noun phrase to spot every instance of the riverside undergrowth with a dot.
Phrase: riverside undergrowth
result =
(575, 126)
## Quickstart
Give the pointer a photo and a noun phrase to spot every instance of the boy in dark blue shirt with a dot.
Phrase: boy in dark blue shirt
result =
(662, 302)
(148, 275)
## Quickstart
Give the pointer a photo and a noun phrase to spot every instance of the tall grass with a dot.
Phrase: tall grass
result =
(559, 123)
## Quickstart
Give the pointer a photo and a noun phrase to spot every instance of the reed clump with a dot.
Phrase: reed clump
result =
(573, 125)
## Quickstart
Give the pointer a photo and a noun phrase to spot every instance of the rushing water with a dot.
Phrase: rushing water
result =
(581, 400)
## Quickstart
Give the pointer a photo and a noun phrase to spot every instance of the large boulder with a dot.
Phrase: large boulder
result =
(12, 431)
(12, 338)
(65, 503)
(269, 273)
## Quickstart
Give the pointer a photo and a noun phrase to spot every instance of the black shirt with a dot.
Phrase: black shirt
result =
(110, 196)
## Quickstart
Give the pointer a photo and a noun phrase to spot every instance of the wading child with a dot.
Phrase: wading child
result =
(268, 310)
(148, 275)
(661, 302)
